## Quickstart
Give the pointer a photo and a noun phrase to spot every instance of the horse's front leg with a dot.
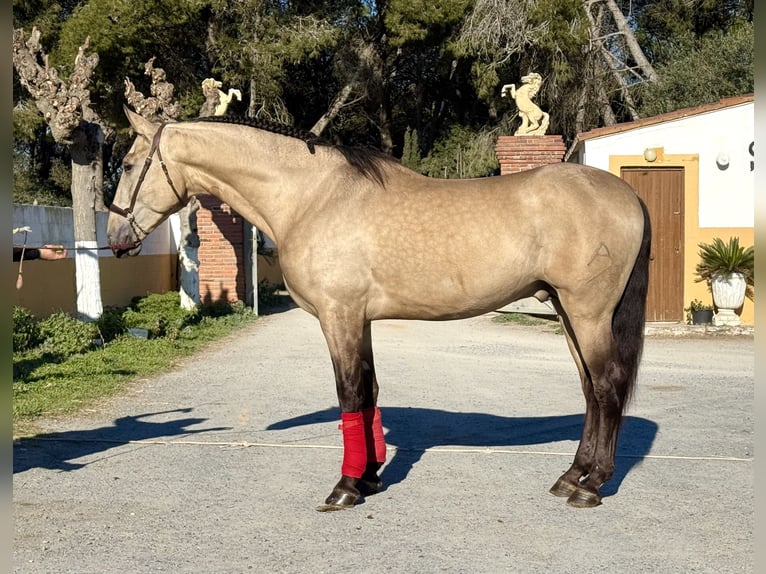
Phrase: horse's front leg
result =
(364, 448)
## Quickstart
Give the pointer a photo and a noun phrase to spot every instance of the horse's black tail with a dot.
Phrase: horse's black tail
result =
(630, 314)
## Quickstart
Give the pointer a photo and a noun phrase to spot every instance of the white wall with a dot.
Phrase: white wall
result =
(55, 225)
(726, 196)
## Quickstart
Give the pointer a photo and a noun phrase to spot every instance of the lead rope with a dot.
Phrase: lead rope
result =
(99, 248)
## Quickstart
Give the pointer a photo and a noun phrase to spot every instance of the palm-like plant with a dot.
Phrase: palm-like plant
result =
(719, 258)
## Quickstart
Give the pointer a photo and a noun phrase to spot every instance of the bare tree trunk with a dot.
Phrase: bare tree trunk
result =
(384, 125)
(580, 116)
(617, 68)
(98, 190)
(629, 103)
(86, 150)
(337, 105)
(252, 109)
(365, 55)
(607, 113)
(66, 108)
(630, 40)
(377, 60)
(188, 256)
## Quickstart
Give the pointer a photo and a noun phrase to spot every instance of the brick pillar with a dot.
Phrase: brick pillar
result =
(221, 252)
(519, 153)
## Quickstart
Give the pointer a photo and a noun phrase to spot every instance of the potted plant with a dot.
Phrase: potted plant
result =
(728, 270)
(699, 313)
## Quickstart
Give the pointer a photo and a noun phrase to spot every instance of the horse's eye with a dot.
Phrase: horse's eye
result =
(126, 167)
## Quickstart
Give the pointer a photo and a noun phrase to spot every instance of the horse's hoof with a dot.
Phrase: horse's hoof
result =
(563, 488)
(338, 501)
(369, 485)
(582, 498)
(332, 507)
(344, 495)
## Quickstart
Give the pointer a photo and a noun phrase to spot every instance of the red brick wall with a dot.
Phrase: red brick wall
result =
(519, 153)
(221, 252)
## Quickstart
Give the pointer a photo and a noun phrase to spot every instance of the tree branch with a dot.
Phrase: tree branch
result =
(62, 106)
(160, 104)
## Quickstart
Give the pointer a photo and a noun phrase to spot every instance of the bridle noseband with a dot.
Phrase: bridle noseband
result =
(127, 213)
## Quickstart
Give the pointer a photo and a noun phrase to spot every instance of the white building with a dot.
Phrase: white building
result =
(694, 168)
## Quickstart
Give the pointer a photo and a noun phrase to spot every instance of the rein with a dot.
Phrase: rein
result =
(127, 213)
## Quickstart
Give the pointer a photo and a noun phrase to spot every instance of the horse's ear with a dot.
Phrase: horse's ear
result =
(141, 125)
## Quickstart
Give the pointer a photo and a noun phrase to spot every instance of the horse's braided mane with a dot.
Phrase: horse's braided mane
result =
(269, 126)
(369, 162)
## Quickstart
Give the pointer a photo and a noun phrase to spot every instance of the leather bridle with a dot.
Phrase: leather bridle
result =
(127, 212)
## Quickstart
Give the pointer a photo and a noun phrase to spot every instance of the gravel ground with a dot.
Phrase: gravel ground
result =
(219, 465)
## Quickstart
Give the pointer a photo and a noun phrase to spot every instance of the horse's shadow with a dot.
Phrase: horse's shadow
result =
(414, 430)
(56, 450)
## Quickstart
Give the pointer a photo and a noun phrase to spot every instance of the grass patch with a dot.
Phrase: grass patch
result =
(548, 323)
(47, 382)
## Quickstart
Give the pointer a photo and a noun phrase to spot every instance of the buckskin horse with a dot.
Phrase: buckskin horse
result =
(363, 238)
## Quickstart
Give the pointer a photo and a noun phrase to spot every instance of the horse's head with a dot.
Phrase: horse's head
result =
(146, 194)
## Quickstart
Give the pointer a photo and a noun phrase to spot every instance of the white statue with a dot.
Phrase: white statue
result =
(213, 86)
(534, 121)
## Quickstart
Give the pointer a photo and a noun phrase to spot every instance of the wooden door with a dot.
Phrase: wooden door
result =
(662, 189)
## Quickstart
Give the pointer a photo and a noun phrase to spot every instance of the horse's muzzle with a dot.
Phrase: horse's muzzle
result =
(123, 249)
(121, 238)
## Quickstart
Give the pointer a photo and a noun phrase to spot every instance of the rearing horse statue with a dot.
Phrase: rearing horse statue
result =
(534, 121)
(363, 238)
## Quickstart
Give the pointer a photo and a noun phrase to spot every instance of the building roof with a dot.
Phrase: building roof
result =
(662, 118)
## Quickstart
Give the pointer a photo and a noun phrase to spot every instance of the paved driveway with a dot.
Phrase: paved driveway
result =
(217, 466)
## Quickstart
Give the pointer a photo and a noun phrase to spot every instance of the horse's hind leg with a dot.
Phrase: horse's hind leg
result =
(569, 482)
(349, 340)
(605, 386)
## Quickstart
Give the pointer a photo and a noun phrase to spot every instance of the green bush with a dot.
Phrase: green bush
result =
(44, 384)
(219, 308)
(160, 314)
(60, 336)
(167, 305)
(64, 336)
(111, 324)
(26, 332)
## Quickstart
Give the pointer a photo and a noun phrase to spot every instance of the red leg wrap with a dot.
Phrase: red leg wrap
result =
(373, 431)
(354, 445)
